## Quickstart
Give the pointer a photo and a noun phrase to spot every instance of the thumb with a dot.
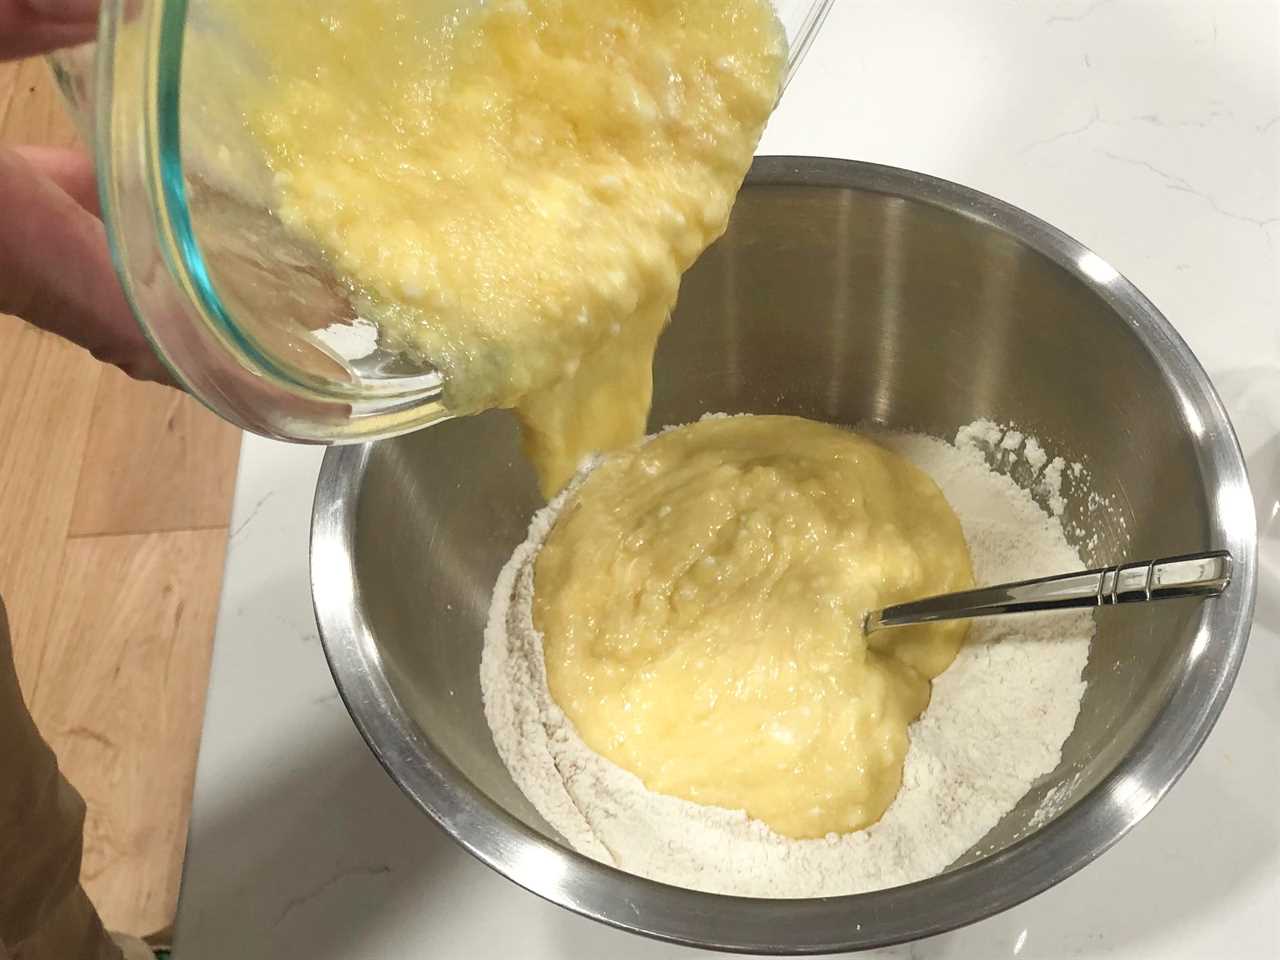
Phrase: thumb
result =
(64, 11)
(56, 272)
(37, 26)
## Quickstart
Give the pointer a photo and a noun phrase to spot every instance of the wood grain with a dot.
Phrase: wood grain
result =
(111, 632)
(46, 403)
(31, 109)
(163, 462)
(122, 678)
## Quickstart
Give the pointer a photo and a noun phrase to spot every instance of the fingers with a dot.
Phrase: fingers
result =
(65, 11)
(70, 169)
(37, 26)
(55, 271)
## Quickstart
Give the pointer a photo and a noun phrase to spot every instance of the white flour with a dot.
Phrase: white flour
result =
(996, 722)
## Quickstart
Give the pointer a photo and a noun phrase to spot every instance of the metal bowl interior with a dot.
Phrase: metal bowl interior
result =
(850, 293)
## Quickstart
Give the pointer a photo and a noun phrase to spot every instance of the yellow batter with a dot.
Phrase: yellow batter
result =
(701, 598)
(512, 194)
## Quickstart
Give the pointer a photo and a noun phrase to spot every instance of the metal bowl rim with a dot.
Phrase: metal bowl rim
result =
(859, 921)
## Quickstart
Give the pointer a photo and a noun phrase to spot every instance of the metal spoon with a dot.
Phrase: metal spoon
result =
(1194, 575)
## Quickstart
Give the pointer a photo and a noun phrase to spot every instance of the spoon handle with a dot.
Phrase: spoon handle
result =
(1194, 575)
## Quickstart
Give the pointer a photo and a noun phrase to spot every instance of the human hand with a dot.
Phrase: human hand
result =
(55, 268)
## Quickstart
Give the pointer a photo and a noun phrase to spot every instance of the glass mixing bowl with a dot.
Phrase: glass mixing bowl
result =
(251, 322)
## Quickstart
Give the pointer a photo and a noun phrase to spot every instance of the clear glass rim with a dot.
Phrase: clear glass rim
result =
(805, 35)
(191, 261)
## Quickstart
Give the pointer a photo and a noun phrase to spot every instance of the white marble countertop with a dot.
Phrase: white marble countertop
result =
(1147, 129)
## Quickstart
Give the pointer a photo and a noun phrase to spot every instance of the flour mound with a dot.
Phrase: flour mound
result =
(995, 724)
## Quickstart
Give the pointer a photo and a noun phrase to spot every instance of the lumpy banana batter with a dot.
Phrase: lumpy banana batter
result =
(701, 599)
(512, 193)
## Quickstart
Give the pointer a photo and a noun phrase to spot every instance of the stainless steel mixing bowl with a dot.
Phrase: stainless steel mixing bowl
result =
(851, 293)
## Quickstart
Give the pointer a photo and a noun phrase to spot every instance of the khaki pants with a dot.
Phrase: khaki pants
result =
(44, 913)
